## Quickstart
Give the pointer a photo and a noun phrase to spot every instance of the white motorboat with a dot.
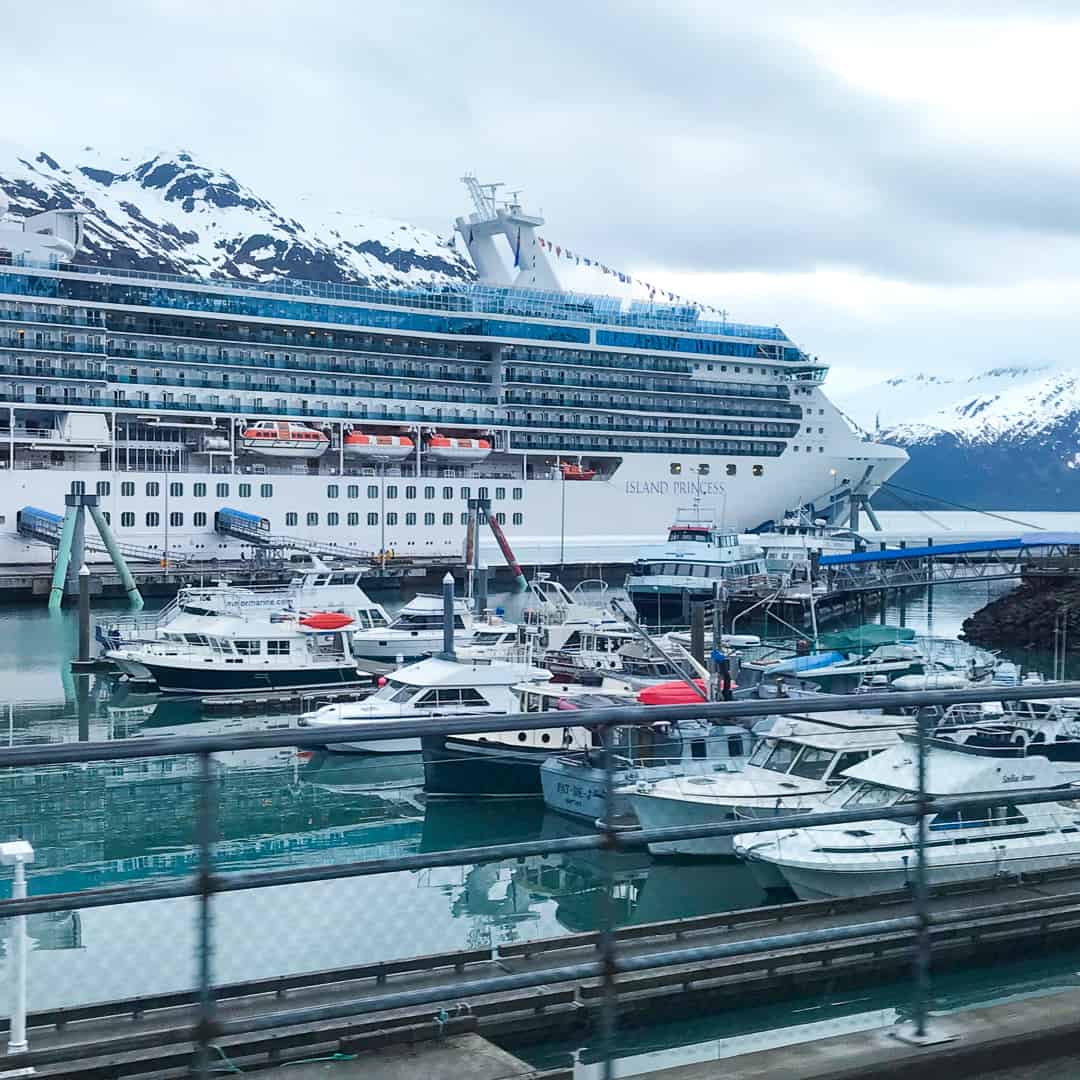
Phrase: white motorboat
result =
(970, 844)
(576, 783)
(795, 765)
(416, 632)
(322, 588)
(431, 688)
(229, 653)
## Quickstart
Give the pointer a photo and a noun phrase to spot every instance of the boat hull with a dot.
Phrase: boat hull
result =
(465, 769)
(220, 680)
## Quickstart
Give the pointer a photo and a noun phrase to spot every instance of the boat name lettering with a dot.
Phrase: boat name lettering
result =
(1013, 778)
(673, 487)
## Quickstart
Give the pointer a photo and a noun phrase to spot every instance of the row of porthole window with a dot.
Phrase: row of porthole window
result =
(352, 491)
(730, 469)
(198, 519)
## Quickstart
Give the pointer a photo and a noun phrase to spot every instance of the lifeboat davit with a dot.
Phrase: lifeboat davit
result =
(672, 693)
(444, 448)
(326, 620)
(576, 472)
(390, 447)
(275, 438)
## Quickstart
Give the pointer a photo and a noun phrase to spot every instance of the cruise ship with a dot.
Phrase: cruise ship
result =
(365, 418)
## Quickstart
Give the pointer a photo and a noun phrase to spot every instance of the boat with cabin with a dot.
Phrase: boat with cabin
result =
(971, 844)
(415, 632)
(284, 438)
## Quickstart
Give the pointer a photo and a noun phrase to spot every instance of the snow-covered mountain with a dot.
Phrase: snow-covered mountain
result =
(170, 213)
(1005, 438)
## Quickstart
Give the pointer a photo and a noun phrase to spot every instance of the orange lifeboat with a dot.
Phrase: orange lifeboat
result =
(388, 447)
(575, 472)
(279, 438)
(444, 448)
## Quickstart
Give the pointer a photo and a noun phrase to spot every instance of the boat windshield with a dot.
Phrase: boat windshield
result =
(870, 795)
(489, 637)
(813, 763)
(776, 756)
(394, 691)
(433, 621)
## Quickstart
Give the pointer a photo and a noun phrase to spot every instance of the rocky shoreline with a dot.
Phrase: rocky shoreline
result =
(1025, 618)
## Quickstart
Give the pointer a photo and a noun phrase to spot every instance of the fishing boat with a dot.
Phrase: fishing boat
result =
(284, 438)
(964, 845)
(798, 761)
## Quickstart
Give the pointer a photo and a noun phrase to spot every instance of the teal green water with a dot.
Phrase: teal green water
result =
(125, 822)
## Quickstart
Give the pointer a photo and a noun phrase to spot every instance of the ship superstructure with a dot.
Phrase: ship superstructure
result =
(365, 417)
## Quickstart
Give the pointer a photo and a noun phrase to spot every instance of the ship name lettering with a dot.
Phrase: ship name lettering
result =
(673, 487)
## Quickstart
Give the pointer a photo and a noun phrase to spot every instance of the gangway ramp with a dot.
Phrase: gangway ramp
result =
(930, 564)
(45, 527)
(255, 530)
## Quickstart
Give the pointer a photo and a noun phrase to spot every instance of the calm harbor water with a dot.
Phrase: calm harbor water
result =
(133, 822)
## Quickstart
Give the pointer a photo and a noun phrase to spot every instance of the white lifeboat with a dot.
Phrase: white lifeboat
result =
(444, 448)
(278, 438)
(390, 447)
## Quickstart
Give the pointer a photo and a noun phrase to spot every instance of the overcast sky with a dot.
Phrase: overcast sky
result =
(900, 192)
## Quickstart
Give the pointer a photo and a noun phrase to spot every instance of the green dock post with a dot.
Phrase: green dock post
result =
(109, 541)
(63, 557)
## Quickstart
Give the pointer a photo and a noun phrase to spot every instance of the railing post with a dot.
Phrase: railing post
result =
(609, 1005)
(206, 822)
(17, 854)
(922, 949)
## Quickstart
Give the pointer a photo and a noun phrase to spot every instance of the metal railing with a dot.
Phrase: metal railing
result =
(610, 962)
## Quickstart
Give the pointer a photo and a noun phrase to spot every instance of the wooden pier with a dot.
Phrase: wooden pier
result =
(358, 1009)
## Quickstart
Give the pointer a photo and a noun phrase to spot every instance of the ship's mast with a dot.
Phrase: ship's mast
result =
(529, 267)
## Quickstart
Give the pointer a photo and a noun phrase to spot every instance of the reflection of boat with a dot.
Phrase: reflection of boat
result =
(280, 438)
(445, 448)
(360, 444)
(395, 776)
(970, 844)
(449, 826)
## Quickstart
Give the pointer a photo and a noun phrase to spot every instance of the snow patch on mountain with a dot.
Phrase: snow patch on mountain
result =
(169, 213)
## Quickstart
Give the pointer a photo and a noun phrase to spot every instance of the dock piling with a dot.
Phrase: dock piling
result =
(84, 613)
(448, 616)
(697, 632)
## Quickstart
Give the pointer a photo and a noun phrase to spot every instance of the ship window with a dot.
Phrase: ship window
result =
(352, 519)
(676, 468)
(500, 493)
(331, 491)
(703, 470)
(353, 491)
(127, 488)
(153, 488)
(372, 491)
(313, 518)
(247, 648)
(391, 518)
(464, 518)
(291, 518)
(519, 493)
(223, 491)
(332, 518)
(410, 492)
(730, 470)
(391, 491)
(448, 519)
(153, 519)
(410, 519)
(199, 490)
(373, 519)
(812, 763)
(519, 519)
(429, 491)
(783, 754)
(697, 748)
(266, 491)
(176, 518)
(277, 648)
(429, 519)
(103, 487)
(466, 493)
(127, 519)
(244, 491)
(759, 470)
(199, 518)
(821, 449)
(482, 493)
(78, 487)
(500, 518)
